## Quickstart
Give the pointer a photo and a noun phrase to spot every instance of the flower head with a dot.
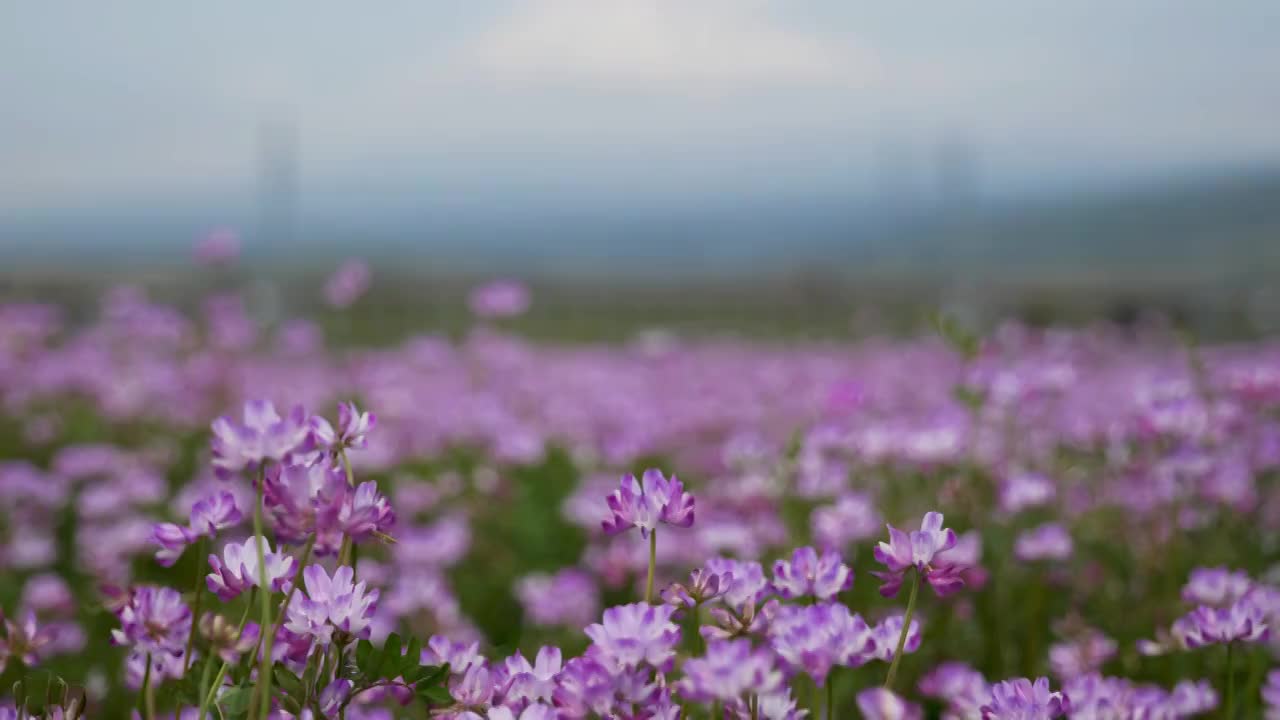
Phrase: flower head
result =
(26, 640)
(631, 635)
(1020, 699)
(347, 284)
(569, 597)
(815, 638)
(822, 576)
(263, 435)
(729, 670)
(352, 432)
(1050, 541)
(332, 604)
(153, 620)
(883, 704)
(646, 502)
(884, 637)
(703, 586)
(1243, 621)
(919, 550)
(237, 569)
(1217, 586)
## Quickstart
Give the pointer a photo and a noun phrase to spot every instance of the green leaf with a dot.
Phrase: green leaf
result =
(425, 674)
(235, 702)
(435, 695)
(289, 683)
(389, 662)
(412, 656)
(367, 659)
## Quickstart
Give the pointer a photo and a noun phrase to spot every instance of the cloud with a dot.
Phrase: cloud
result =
(724, 45)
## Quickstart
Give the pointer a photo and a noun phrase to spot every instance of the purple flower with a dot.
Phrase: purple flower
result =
(729, 670)
(747, 583)
(1095, 696)
(208, 516)
(570, 598)
(647, 502)
(303, 501)
(153, 620)
(332, 604)
(527, 683)
(1025, 490)
(1085, 654)
(26, 641)
(1217, 587)
(964, 689)
(590, 686)
(459, 656)
(1242, 621)
(918, 550)
(853, 518)
(884, 637)
(703, 586)
(237, 569)
(1050, 541)
(1271, 692)
(353, 428)
(810, 574)
(815, 638)
(214, 513)
(500, 298)
(347, 284)
(882, 704)
(263, 435)
(333, 697)
(1020, 699)
(365, 512)
(634, 634)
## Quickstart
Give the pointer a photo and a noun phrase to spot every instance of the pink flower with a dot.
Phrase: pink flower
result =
(239, 572)
(336, 603)
(807, 573)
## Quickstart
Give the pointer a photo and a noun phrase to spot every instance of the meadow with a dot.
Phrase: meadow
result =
(210, 515)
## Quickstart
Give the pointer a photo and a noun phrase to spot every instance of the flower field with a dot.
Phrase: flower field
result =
(205, 516)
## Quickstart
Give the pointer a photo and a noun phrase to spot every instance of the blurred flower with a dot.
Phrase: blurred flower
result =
(1050, 541)
(25, 640)
(347, 284)
(807, 573)
(1084, 654)
(226, 639)
(588, 686)
(1205, 625)
(964, 689)
(647, 502)
(1217, 587)
(264, 435)
(569, 598)
(814, 638)
(1020, 699)
(527, 683)
(882, 704)
(218, 246)
(1024, 490)
(702, 587)
(353, 428)
(730, 670)
(853, 518)
(499, 299)
(884, 638)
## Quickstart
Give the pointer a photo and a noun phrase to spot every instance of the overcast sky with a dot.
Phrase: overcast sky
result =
(108, 101)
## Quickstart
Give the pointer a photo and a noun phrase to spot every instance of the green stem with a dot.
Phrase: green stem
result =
(717, 711)
(906, 627)
(207, 697)
(1231, 682)
(653, 560)
(195, 604)
(831, 695)
(754, 702)
(148, 697)
(264, 668)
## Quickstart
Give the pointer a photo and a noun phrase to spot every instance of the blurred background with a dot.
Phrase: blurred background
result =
(819, 168)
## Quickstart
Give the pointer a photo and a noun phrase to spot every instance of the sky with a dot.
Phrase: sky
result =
(105, 104)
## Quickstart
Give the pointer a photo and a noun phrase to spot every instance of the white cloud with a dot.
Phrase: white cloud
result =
(659, 44)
